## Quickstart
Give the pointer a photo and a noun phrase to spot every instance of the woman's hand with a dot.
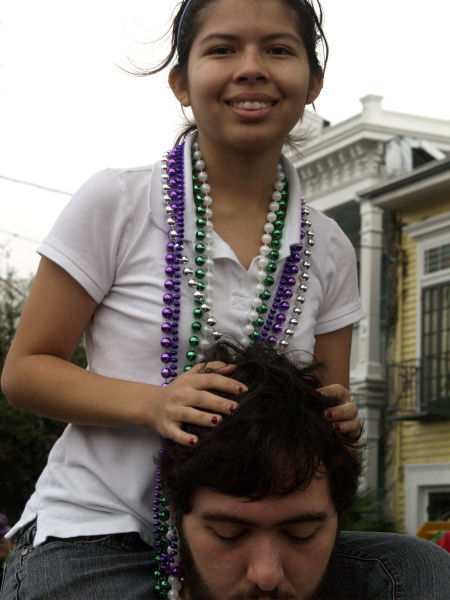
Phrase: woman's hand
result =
(344, 417)
(187, 399)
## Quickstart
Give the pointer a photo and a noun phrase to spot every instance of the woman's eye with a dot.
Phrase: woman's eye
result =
(220, 50)
(279, 50)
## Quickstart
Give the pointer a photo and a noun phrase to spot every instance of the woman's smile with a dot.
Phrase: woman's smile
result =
(252, 107)
(260, 75)
(249, 105)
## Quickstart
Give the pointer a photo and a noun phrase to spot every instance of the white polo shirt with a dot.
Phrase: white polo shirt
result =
(111, 238)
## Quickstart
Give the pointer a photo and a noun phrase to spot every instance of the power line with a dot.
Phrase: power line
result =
(22, 237)
(36, 185)
(13, 287)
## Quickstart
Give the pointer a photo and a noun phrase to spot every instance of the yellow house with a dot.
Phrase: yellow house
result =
(384, 177)
(418, 352)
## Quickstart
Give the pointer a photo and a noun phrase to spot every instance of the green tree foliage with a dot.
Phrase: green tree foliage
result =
(25, 439)
(366, 514)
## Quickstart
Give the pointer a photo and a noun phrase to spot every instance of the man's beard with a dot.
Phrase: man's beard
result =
(198, 589)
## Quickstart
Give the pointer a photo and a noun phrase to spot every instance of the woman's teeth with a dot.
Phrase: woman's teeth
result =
(251, 105)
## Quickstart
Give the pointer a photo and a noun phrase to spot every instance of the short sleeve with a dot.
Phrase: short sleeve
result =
(89, 238)
(341, 305)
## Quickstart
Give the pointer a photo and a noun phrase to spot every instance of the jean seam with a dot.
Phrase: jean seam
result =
(383, 566)
(24, 548)
(111, 541)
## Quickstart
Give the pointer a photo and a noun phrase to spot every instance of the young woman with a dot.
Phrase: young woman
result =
(153, 264)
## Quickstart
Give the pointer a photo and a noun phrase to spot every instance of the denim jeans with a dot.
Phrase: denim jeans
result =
(110, 567)
(368, 566)
(389, 566)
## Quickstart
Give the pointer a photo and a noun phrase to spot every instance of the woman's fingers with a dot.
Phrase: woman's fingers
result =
(175, 433)
(343, 416)
(336, 391)
(196, 416)
(197, 390)
(352, 427)
(213, 366)
(193, 398)
(343, 412)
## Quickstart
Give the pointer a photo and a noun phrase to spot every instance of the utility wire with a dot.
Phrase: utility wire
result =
(36, 185)
(13, 287)
(22, 237)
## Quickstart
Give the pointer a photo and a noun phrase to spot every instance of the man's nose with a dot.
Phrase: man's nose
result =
(265, 567)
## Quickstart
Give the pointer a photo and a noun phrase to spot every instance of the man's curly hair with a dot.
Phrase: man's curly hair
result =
(272, 445)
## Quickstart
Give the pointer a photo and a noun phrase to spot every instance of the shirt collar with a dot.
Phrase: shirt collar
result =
(291, 233)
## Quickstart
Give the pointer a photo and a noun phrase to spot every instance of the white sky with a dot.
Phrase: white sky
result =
(66, 111)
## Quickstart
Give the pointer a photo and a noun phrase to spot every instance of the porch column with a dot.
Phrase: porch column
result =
(369, 364)
(367, 376)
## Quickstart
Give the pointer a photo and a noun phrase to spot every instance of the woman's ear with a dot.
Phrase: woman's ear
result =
(179, 86)
(315, 87)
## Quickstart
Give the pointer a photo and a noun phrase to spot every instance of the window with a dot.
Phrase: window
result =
(432, 362)
(435, 345)
(438, 508)
(427, 494)
(437, 259)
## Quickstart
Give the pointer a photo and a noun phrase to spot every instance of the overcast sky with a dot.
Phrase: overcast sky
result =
(66, 110)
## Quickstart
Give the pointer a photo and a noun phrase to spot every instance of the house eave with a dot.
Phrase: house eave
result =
(430, 180)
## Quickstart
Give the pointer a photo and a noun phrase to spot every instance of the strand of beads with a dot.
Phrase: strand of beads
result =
(173, 190)
(300, 253)
(201, 279)
(169, 571)
(276, 329)
(269, 253)
(204, 275)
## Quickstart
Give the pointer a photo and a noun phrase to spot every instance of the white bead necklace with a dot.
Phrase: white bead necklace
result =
(209, 332)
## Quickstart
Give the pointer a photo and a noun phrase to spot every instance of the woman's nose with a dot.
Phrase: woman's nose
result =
(251, 67)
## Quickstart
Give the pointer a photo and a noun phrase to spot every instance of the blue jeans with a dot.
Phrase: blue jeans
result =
(368, 566)
(117, 566)
(389, 566)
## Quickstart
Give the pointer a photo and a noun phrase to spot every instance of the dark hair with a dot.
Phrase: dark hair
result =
(309, 23)
(272, 445)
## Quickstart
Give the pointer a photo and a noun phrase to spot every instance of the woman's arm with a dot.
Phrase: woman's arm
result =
(333, 350)
(37, 376)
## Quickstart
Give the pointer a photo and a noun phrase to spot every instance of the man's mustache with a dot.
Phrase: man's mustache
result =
(256, 593)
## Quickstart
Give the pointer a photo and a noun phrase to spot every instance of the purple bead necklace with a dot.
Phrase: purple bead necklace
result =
(277, 327)
(168, 573)
(173, 190)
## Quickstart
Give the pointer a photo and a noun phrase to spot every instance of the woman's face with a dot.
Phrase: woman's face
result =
(248, 78)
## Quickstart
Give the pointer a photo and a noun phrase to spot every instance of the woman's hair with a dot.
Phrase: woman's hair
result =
(191, 15)
(272, 445)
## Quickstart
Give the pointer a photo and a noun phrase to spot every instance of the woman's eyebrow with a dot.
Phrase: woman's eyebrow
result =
(228, 37)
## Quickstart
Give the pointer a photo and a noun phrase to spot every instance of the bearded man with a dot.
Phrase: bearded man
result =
(254, 509)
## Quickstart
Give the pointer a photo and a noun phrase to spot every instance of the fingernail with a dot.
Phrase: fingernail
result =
(231, 408)
(215, 420)
(337, 426)
(192, 442)
(329, 414)
(242, 388)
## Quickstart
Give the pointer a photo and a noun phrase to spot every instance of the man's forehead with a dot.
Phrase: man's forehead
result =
(312, 503)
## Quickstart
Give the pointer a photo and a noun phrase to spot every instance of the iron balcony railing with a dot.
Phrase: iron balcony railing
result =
(419, 389)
